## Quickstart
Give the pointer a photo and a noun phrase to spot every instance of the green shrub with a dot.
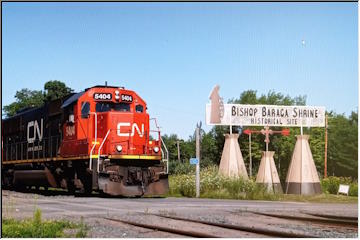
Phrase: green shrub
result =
(38, 228)
(176, 167)
(331, 185)
(353, 191)
(214, 185)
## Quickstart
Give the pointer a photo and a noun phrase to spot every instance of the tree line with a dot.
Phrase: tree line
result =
(342, 134)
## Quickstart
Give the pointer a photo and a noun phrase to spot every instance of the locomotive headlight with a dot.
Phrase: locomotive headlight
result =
(156, 149)
(119, 148)
(117, 92)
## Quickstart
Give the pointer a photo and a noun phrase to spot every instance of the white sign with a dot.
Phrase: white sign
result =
(266, 115)
(344, 189)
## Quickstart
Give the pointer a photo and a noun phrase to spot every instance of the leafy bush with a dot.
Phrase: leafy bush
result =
(353, 191)
(37, 228)
(176, 167)
(331, 185)
(214, 185)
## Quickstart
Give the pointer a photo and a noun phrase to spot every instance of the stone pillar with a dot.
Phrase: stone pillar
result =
(302, 177)
(268, 174)
(232, 162)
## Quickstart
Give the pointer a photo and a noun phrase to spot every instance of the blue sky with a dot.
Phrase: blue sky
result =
(172, 54)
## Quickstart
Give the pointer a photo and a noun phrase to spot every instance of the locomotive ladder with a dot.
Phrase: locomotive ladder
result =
(164, 152)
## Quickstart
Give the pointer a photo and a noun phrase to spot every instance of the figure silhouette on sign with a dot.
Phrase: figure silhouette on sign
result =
(217, 106)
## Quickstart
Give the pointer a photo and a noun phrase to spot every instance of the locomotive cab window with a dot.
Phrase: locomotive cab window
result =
(122, 107)
(103, 107)
(139, 108)
(85, 109)
(106, 107)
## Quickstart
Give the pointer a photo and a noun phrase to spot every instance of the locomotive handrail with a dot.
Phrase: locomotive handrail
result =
(163, 144)
(167, 155)
(101, 145)
(22, 152)
(92, 149)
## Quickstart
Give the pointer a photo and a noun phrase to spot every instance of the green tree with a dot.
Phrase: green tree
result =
(56, 89)
(24, 98)
(343, 145)
(33, 98)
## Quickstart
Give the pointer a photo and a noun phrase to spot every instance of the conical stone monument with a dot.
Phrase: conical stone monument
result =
(268, 174)
(302, 177)
(232, 162)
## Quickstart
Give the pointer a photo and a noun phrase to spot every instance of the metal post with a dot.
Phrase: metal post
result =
(250, 155)
(198, 164)
(267, 146)
(326, 141)
(279, 160)
(230, 129)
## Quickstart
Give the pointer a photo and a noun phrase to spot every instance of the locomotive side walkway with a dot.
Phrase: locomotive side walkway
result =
(184, 217)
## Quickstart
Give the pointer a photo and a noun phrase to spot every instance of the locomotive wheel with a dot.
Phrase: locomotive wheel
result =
(87, 187)
(85, 179)
(6, 180)
(70, 186)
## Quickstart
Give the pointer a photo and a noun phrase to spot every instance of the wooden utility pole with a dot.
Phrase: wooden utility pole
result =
(178, 149)
(326, 140)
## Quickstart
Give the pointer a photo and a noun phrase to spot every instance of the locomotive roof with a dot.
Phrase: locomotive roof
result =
(103, 86)
(72, 99)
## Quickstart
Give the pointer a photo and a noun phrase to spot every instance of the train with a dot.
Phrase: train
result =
(96, 140)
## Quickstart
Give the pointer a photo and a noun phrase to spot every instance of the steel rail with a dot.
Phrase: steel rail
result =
(331, 216)
(165, 229)
(310, 219)
(257, 230)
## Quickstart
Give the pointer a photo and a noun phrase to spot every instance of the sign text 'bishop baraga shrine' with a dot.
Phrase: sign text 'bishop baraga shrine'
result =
(265, 115)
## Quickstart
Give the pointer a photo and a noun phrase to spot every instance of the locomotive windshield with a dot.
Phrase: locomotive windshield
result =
(108, 106)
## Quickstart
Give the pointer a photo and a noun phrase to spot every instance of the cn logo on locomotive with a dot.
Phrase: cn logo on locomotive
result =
(36, 130)
(134, 126)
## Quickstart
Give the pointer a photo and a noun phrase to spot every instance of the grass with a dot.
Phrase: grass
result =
(220, 187)
(38, 228)
(321, 198)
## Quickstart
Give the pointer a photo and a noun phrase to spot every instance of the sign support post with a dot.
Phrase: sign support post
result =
(197, 181)
(250, 155)
(326, 140)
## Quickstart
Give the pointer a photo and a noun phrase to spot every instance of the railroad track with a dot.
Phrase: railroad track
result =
(241, 229)
(164, 228)
(316, 218)
(351, 218)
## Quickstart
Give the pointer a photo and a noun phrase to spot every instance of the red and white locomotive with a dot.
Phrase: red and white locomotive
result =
(98, 139)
